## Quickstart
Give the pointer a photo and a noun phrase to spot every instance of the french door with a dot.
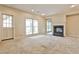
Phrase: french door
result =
(31, 26)
(7, 26)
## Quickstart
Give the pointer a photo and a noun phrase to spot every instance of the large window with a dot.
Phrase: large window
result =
(49, 25)
(7, 21)
(31, 26)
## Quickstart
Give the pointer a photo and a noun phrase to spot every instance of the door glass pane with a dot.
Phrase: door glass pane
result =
(28, 26)
(28, 30)
(35, 30)
(29, 22)
(9, 25)
(35, 23)
(35, 26)
(8, 21)
(10, 17)
(5, 21)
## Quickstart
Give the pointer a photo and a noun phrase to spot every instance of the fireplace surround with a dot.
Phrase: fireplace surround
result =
(58, 30)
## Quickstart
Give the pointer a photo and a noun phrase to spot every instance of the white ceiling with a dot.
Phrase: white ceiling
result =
(48, 9)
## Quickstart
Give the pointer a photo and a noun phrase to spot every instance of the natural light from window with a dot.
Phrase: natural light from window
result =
(31, 26)
(7, 21)
(49, 26)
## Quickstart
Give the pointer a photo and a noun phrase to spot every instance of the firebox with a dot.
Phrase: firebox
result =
(58, 30)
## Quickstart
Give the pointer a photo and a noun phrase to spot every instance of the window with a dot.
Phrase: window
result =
(31, 26)
(7, 21)
(49, 26)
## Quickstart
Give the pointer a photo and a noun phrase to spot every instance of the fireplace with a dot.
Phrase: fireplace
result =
(58, 30)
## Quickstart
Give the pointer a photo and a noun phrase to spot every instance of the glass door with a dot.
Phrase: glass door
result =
(35, 26)
(31, 26)
(7, 28)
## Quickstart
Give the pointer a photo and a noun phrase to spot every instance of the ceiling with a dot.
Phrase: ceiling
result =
(44, 9)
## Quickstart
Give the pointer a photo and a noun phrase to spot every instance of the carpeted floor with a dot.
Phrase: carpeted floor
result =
(43, 44)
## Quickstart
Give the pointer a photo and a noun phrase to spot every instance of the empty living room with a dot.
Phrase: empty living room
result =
(39, 28)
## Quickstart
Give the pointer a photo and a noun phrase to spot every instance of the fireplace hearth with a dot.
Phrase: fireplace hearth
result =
(58, 30)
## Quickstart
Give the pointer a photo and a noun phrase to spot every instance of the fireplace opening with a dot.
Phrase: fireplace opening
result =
(58, 30)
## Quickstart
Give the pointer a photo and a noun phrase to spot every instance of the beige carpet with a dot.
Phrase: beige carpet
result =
(44, 44)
